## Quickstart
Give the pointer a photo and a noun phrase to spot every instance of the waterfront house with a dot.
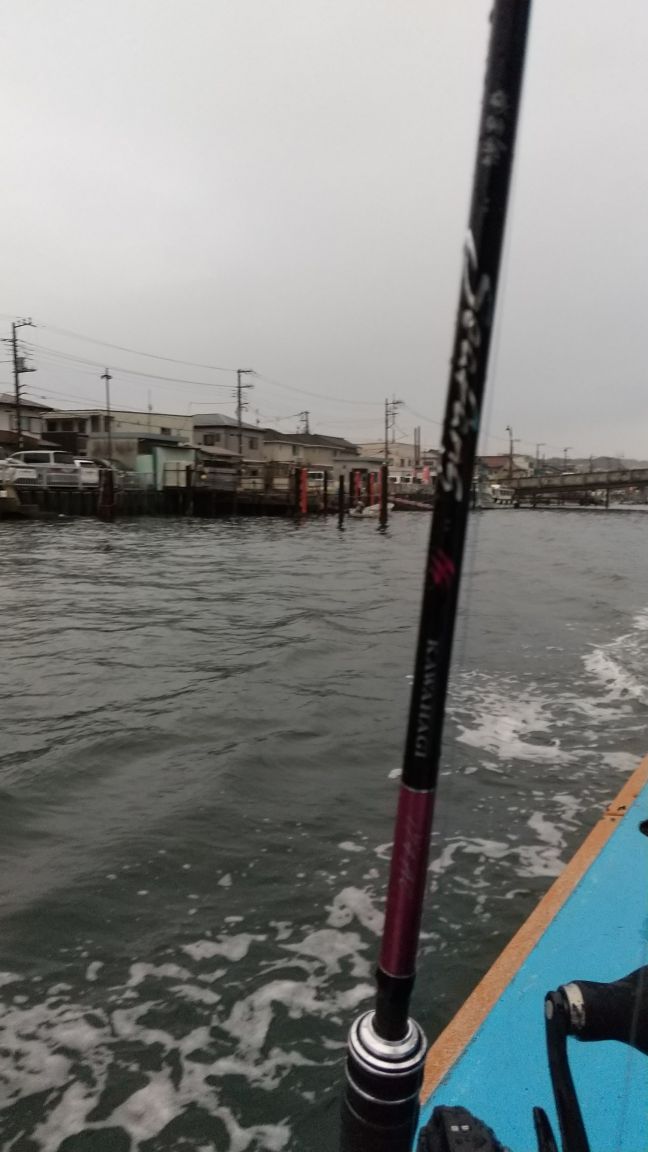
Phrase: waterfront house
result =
(31, 423)
(214, 430)
(305, 449)
(84, 431)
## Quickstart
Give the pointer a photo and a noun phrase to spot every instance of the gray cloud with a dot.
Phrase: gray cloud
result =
(283, 184)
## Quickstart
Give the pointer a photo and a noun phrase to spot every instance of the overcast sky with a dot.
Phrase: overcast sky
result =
(283, 185)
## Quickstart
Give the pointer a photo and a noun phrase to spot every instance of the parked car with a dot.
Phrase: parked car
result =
(88, 472)
(57, 467)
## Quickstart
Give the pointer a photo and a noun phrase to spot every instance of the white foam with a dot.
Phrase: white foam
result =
(329, 947)
(350, 846)
(148, 1110)
(225, 881)
(67, 1118)
(139, 972)
(616, 680)
(620, 761)
(505, 725)
(547, 831)
(93, 969)
(251, 1017)
(355, 903)
(231, 947)
(196, 994)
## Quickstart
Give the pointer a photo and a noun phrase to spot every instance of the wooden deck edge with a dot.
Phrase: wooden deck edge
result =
(454, 1038)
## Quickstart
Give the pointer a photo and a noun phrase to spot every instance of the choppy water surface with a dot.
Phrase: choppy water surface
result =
(201, 726)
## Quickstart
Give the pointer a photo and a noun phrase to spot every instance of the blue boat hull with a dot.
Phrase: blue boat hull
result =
(591, 925)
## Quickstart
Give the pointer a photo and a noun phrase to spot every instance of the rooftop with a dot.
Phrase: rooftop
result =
(9, 401)
(218, 420)
(307, 439)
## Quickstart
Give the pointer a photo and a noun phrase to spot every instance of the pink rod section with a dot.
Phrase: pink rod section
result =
(406, 882)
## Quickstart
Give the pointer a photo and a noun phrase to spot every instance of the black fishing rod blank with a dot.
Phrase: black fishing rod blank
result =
(386, 1050)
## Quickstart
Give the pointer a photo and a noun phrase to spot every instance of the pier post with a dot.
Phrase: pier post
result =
(106, 499)
(384, 486)
(303, 491)
(188, 504)
(325, 500)
(357, 485)
(341, 507)
(370, 488)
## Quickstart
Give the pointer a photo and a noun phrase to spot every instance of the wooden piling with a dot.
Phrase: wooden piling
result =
(357, 485)
(303, 491)
(341, 507)
(384, 492)
(325, 500)
(106, 499)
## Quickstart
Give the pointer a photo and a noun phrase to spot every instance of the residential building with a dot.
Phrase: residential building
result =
(401, 454)
(499, 467)
(84, 431)
(31, 422)
(305, 449)
(214, 430)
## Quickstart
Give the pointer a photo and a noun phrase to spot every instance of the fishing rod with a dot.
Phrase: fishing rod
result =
(386, 1049)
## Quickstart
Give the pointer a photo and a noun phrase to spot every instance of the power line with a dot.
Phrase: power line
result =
(127, 371)
(133, 351)
(317, 395)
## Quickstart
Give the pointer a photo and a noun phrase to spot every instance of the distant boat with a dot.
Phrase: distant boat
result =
(371, 511)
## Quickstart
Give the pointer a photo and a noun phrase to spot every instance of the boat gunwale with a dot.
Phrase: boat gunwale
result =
(455, 1037)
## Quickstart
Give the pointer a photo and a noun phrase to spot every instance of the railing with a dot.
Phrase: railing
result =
(576, 481)
(34, 476)
(134, 481)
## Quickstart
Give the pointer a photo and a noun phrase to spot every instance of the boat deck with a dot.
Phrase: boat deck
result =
(591, 925)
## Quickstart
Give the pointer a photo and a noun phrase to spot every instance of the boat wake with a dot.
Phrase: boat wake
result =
(160, 1050)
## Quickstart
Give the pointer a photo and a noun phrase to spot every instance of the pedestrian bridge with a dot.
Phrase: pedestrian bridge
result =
(530, 487)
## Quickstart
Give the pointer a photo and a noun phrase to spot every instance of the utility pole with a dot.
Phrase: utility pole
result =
(417, 447)
(305, 422)
(18, 367)
(511, 443)
(391, 408)
(240, 372)
(565, 451)
(107, 377)
(538, 447)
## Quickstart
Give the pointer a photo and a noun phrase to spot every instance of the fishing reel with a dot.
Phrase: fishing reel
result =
(583, 1009)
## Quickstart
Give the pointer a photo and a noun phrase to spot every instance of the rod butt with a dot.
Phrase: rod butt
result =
(383, 1080)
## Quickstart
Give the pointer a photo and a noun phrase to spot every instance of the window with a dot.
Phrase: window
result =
(295, 449)
(52, 425)
(165, 431)
(81, 425)
(67, 425)
(253, 442)
(95, 424)
(402, 462)
(62, 457)
(208, 439)
(36, 457)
